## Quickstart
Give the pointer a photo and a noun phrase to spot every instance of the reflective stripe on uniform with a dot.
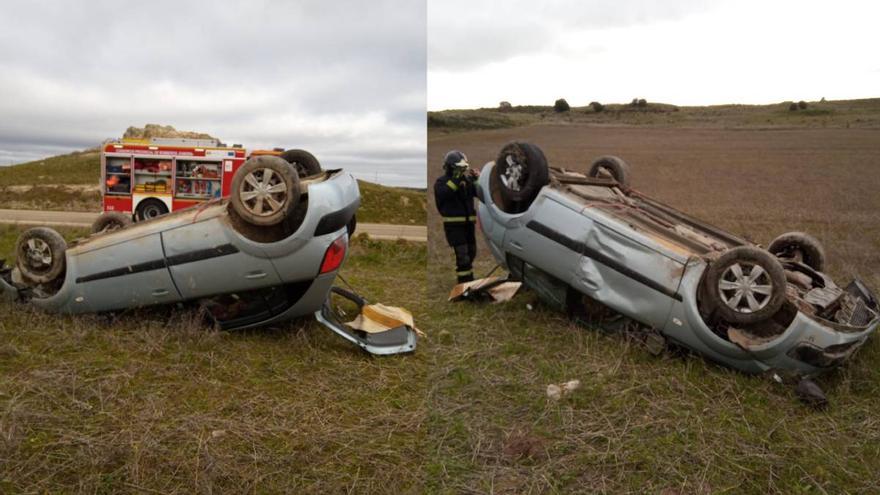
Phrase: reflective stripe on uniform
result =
(472, 218)
(452, 185)
(466, 272)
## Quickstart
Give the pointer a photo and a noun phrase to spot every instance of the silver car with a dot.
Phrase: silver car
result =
(268, 253)
(587, 243)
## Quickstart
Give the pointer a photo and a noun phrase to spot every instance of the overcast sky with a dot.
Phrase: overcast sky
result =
(344, 79)
(686, 52)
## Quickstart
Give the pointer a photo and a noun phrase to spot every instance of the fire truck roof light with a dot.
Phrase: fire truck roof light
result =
(117, 146)
(154, 147)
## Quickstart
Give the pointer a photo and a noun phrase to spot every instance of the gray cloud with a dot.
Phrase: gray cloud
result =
(463, 34)
(343, 78)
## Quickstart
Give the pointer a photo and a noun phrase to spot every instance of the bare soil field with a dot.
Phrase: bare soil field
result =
(674, 423)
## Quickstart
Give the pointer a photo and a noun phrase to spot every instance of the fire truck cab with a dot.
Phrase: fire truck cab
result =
(146, 178)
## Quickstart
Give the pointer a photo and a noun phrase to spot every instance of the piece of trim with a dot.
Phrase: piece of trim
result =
(332, 222)
(179, 259)
(581, 248)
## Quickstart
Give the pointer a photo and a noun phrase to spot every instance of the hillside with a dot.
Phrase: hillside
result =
(71, 182)
(841, 113)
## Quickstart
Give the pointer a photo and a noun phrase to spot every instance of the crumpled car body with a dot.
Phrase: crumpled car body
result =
(244, 275)
(583, 236)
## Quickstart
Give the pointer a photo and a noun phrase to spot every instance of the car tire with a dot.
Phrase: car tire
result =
(265, 181)
(799, 245)
(40, 255)
(351, 227)
(613, 166)
(519, 173)
(110, 221)
(304, 162)
(150, 208)
(734, 292)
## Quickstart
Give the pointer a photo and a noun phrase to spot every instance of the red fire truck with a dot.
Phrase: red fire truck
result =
(148, 178)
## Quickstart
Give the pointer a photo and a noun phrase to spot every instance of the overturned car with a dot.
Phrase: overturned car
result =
(268, 253)
(590, 245)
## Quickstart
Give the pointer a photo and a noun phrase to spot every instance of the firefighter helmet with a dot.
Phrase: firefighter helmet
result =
(454, 159)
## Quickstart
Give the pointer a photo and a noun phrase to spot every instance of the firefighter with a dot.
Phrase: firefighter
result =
(454, 193)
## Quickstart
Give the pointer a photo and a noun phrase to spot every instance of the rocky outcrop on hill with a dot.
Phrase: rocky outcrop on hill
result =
(162, 131)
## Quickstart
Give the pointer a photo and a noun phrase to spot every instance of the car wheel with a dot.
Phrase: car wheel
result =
(352, 226)
(520, 172)
(265, 190)
(40, 255)
(110, 221)
(745, 285)
(304, 162)
(610, 166)
(151, 208)
(800, 247)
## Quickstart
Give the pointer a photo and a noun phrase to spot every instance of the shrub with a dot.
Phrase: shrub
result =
(505, 105)
(793, 107)
(802, 105)
(634, 103)
(596, 106)
(561, 105)
(643, 103)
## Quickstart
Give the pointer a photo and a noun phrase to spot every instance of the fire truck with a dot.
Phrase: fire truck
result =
(146, 178)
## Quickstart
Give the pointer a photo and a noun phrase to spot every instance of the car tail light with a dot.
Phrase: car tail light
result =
(334, 256)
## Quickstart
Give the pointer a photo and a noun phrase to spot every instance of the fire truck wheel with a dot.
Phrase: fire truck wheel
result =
(304, 162)
(110, 221)
(150, 208)
(40, 255)
(265, 190)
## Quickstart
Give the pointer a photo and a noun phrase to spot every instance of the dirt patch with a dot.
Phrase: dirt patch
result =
(754, 183)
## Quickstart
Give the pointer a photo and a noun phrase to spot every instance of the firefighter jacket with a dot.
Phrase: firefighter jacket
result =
(455, 202)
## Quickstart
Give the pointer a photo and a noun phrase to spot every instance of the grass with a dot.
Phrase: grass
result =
(395, 205)
(71, 183)
(843, 113)
(155, 401)
(674, 423)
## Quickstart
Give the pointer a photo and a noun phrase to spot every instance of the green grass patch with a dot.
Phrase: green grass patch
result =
(81, 167)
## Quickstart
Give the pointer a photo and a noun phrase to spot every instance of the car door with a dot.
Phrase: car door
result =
(204, 261)
(600, 259)
(122, 275)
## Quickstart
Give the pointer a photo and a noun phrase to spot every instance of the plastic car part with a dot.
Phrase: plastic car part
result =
(800, 247)
(610, 166)
(110, 221)
(304, 162)
(334, 256)
(265, 190)
(398, 340)
(40, 255)
(745, 285)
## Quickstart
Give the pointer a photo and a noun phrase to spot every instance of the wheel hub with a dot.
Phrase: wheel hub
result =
(745, 287)
(38, 253)
(263, 192)
(513, 175)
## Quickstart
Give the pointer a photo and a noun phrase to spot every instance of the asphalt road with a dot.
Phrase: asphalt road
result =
(415, 233)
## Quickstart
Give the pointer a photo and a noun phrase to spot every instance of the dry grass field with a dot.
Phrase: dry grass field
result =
(156, 401)
(675, 423)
